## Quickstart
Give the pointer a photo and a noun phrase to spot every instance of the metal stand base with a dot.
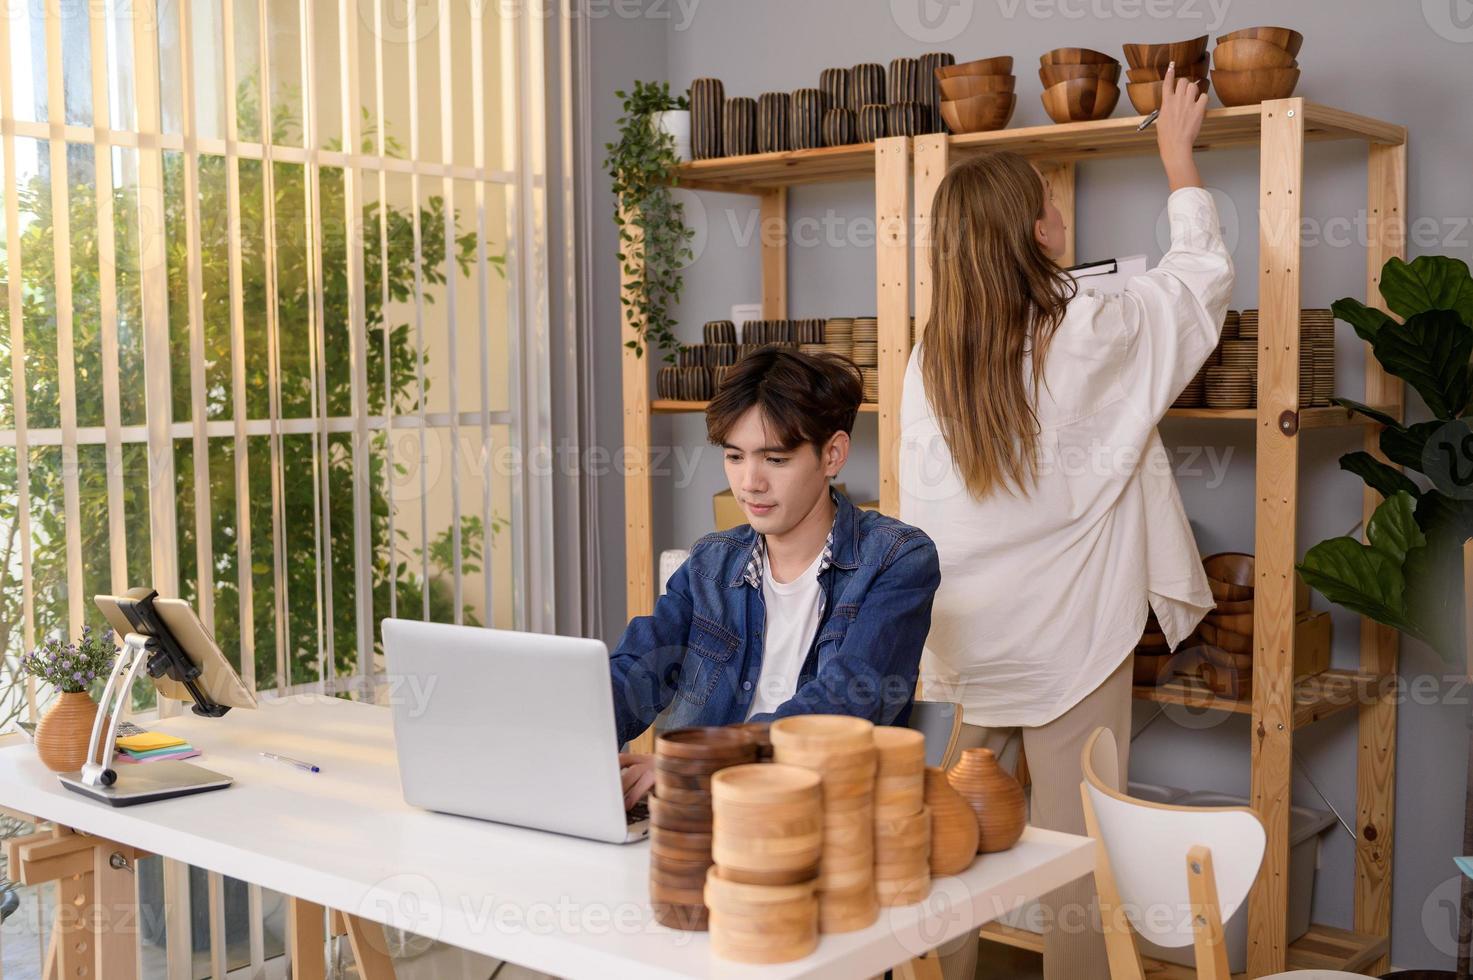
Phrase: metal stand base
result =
(148, 782)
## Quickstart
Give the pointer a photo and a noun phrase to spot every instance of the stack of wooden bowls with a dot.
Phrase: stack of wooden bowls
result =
(1148, 64)
(902, 820)
(841, 749)
(977, 96)
(1079, 84)
(1227, 632)
(1255, 64)
(761, 923)
(1152, 655)
(767, 839)
(680, 817)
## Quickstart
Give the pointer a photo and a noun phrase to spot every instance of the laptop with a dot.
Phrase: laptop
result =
(512, 727)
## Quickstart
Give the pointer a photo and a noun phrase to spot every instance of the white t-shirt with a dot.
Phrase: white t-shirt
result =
(793, 609)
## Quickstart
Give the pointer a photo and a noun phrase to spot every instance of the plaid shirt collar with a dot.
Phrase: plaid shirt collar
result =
(758, 559)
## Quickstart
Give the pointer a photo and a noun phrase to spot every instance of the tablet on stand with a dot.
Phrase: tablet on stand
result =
(166, 639)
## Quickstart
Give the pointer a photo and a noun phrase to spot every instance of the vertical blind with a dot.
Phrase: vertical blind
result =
(262, 262)
(276, 319)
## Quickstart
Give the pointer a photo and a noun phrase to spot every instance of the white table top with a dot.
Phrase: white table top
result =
(345, 839)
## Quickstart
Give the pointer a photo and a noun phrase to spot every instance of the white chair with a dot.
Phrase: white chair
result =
(1156, 875)
(941, 723)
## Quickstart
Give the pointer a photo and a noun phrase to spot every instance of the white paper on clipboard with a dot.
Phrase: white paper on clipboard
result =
(1110, 275)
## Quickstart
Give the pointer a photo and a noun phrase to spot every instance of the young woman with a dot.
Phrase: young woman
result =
(1030, 455)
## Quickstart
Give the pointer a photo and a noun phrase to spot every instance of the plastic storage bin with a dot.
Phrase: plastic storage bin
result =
(1305, 828)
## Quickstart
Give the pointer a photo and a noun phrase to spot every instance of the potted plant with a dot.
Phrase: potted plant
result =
(1410, 573)
(71, 668)
(654, 242)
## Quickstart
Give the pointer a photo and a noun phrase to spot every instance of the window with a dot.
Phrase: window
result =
(261, 261)
(274, 326)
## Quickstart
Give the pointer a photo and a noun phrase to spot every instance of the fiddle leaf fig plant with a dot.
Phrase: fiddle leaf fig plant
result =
(654, 241)
(1409, 575)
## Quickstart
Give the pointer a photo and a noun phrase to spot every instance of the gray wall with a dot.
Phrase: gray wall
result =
(1406, 62)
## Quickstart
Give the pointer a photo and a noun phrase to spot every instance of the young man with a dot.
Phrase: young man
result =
(815, 607)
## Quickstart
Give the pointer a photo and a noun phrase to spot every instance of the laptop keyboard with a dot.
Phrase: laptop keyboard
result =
(640, 811)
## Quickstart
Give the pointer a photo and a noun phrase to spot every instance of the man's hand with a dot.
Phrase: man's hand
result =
(637, 771)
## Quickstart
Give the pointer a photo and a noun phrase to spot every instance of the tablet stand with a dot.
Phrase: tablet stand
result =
(161, 653)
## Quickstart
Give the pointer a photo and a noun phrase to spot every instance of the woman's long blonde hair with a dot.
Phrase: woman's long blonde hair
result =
(997, 298)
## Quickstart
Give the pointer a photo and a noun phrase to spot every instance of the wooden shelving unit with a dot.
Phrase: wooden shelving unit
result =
(905, 173)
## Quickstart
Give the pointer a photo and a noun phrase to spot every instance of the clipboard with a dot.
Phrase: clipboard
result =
(1110, 275)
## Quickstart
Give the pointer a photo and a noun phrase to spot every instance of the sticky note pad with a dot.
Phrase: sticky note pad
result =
(148, 741)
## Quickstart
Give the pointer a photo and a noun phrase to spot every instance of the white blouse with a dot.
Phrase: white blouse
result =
(1044, 594)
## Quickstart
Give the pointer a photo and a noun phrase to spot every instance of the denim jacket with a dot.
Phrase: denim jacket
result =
(702, 647)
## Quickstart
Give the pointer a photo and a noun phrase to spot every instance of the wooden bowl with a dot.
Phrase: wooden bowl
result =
(980, 113)
(1149, 669)
(1228, 607)
(1283, 37)
(1161, 55)
(1054, 74)
(1236, 622)
(1225, 639)
(1197, 69)
(1146, 96)
(1232, 568)
(1251, 54)
(1001, 65)
(1253, 87)
(765, 783)
(966, 86)
(704, 743)
(1076, 56)
(1080, 99)
(828, 732)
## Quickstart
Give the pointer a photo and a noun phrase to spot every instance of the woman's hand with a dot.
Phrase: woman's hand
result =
(1183, 104)
(638, 775)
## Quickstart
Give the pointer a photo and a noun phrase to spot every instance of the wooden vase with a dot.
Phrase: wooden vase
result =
(953, 825)
(994, 796)
(61, 736)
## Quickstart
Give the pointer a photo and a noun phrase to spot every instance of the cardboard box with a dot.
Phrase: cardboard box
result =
(729, 514)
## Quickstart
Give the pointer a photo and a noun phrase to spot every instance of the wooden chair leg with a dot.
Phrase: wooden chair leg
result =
(1210, 949)
(1120, 948)
(370, 949)
(308, 939)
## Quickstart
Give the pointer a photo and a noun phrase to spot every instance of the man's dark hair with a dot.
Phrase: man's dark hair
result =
(803, 397)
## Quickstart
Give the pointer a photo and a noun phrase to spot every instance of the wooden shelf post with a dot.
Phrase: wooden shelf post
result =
(639, 562)
(772, 224)
(1280, 204)
(1380, 645)
(893, 284)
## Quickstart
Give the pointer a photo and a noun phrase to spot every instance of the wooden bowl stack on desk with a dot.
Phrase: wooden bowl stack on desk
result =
(841, 749)
(680, 818)
(767, 840)
(902, 819)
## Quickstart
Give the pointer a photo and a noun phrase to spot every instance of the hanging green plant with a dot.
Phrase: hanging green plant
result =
(654, 241)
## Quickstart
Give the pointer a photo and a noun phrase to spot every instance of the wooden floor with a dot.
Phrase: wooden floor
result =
(1322, 948)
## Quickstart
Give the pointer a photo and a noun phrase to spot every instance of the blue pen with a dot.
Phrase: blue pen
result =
(288, 760)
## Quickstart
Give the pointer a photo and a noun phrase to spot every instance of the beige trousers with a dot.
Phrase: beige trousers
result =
(1073, 945)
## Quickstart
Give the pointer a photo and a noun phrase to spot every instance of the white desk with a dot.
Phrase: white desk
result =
(344, 839)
